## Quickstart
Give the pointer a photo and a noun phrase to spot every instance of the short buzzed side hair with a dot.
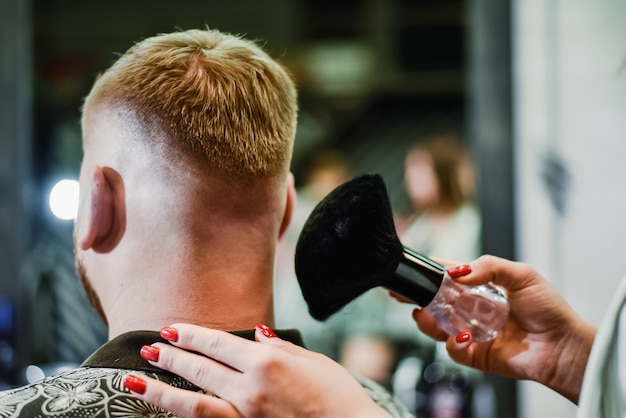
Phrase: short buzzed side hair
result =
(219, 99)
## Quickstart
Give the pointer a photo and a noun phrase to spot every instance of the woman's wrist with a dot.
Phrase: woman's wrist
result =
(572, 355)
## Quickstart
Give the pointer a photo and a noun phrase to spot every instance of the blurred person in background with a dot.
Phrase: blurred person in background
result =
(439, 179)
(445, 222)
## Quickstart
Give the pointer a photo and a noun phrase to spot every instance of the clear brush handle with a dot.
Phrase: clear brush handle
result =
(482, 310)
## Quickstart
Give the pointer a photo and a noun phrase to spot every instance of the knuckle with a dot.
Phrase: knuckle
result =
(157, 397)
(165, 360)
(256, 404)
(211, 347)
(488, 259)
(200, 375)
(270, 364)
(200, 408)
(526, 268)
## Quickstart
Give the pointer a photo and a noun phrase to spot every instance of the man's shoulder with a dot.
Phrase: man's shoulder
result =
(88, 391)
(384, 398)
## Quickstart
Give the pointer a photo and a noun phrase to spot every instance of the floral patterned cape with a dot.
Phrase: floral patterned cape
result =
(96, 388)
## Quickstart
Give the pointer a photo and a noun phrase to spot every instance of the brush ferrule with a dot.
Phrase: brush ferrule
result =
(417, 278)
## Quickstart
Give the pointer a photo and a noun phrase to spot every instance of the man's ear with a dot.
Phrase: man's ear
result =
(102, 220)
(289, 206)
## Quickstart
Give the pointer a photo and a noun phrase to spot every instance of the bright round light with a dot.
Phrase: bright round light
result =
(34, 374)
(64, 199)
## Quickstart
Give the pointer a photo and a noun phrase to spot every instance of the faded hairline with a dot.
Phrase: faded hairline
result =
(219, 100)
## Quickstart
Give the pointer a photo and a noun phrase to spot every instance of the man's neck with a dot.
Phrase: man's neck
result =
(225, 309)
(155, 324)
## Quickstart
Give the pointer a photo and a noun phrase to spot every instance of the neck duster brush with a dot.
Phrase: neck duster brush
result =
(349, 245)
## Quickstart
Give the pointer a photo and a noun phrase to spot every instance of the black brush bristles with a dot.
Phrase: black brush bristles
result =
(347, 246)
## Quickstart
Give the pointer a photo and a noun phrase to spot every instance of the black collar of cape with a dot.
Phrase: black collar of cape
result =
(122, 352)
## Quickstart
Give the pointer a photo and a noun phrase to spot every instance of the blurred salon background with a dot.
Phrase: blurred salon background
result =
(499, 127)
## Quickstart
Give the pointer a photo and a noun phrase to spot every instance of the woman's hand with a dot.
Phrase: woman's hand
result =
(268, 378)
(543, 338)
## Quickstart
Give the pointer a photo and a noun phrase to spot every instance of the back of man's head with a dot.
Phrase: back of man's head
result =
(187, 144)
(219, 99)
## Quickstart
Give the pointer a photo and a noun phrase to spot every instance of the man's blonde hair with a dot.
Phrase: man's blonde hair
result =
(220, 100)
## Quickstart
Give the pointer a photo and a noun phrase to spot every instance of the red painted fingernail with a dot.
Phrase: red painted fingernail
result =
(135, 384)
(149, 352)
(463, 337)
(266, 331)
(460, 270)
(170, 334)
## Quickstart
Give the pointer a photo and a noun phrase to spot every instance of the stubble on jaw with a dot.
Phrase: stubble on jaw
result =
(92, 296)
